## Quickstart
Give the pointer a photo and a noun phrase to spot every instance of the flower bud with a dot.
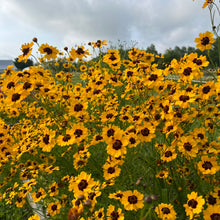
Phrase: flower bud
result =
(34, 40)
(148, 199)
(154, 197)
(87, 202)
(81, 197)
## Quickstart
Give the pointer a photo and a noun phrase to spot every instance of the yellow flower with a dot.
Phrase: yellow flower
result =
(165, 211)
(113, 214)
(39, 195)
(79, 53)
(53, 208)
(208, 165)
(49, 51)
(34, 217)
(206, 3)
(132, 200)
(111, 170)
(194, 204)
(205, 41)
(26, 50)
(212, 212)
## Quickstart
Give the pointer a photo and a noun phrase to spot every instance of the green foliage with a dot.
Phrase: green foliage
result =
(21, 65)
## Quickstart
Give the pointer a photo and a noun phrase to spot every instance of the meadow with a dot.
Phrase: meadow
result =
(110, 139)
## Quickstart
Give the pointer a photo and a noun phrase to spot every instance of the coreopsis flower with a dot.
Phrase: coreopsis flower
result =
(206, 3)
(53, 208)
(47, 140)
(49, 52)
(146, 132)
(111, 170)
(20, 201)
(205, 41)
(165, 211)
(37, 196)
(81, 184)
(83, 68)
(66, 139)
(112, 58)
(98, 43)
(117, 195)
(199, 134)
(34, 217)
(108, 116)
(163, 174)
(168, 154)
(99, 214)
(206, 90)
(200, 61)
(132, 200)
(79, 53)
(26, 52)
(188, 146)
(117, 145)
(194, 204)
(53, 189)
(208, 165)
(212, 212)
(113, 214)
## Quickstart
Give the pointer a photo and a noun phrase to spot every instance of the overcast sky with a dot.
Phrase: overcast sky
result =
(164, 23)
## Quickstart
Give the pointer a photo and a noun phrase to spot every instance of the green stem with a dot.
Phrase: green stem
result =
(219, 50)
(212, 65)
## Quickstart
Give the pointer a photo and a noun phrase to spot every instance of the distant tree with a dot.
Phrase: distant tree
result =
(152, 49)
(21, 65)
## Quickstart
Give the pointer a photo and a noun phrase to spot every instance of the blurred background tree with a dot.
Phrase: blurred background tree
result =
(21, 65)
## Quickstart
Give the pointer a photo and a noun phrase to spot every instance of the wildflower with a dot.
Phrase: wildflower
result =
(39, 195)
(79, 53)
(194, 204)
(47, 140)
(53, 208)
(165, 211)
(132, 200)
(212, 213)
(53, 189)
(206, 3)
(163, 174)
(66, 139)
(117, 145)
(112, 58)
(208, 165)
(146, 132)
(99, 214)
(168, 154)
(205, 41)
(188, 146)
(99, 43)
(83, 68)
(26, 50)
(206, 90)
(113, 214)
(20, 201)
(117, 195)
(34, 217)
(111, 171)
(81, 184)
(49, 52)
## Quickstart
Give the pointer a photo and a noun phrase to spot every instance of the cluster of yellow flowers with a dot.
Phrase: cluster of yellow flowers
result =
(126, 137)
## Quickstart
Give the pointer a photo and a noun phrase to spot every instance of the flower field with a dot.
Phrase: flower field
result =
(120, 140)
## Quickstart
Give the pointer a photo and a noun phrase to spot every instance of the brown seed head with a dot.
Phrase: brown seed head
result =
(34, 40)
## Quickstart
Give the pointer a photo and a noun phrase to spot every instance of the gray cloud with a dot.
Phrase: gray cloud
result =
(164, 23)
